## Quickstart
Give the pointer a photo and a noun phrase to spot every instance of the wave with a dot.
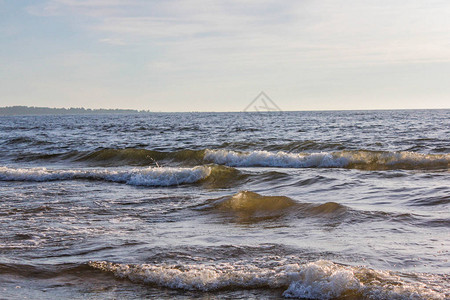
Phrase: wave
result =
(358, 159)
(314, 280)
(136, 156)
(118, 157)
(152, 176)
(251, 202)
(249, 207)
(352, 159)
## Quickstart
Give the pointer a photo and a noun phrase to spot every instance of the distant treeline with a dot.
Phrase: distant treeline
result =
(32, 110)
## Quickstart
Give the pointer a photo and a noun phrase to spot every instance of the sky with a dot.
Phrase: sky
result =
(219, 55)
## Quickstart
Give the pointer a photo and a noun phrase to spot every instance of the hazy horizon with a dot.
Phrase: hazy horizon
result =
(212, 111)
(181, 56)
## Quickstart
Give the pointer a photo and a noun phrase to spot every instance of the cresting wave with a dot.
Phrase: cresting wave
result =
(164, 176)
(352, 159)
(254, 203)
(137, 156)
(118, 157)
(361, 159)
(247, 206)
(315, 280)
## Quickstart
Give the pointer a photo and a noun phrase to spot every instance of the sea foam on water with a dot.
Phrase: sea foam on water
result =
(163, 176)
(320, 279)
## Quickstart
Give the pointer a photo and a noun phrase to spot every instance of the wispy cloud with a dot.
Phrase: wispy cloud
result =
(331, 31)
(290, 45)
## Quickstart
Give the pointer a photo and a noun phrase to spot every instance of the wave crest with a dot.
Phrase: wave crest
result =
(251, 202)
(315, 280)
(164, 176)
(136, 156)
(250, 207)
(361, 159)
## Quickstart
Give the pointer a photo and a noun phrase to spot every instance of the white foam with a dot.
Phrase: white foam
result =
(274, 159)
(359, 159)
(323, 280)
(316, 280)
(164, 176)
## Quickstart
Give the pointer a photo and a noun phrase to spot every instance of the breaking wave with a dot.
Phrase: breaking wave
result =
(315, 280)
(352, 159)
(164, 176)
(361, 159)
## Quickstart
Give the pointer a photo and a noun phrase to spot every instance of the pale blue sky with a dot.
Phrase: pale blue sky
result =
(218, 55)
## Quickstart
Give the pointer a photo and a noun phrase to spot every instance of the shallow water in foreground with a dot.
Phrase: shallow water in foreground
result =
(318, 205)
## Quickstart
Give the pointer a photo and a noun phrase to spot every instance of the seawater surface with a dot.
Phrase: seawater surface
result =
(314, 205)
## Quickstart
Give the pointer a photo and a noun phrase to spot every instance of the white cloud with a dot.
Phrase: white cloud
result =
(290, 45)
(331, 31)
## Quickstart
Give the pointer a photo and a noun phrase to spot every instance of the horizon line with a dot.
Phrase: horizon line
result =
(132, 110)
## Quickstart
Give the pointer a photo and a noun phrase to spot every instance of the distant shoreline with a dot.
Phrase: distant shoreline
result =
(38, 111)
(46, 111)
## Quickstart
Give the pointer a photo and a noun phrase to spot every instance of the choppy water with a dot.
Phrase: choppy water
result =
(322, 205)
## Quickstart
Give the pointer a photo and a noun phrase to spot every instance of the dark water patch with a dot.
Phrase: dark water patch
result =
(382, 216)
(46, 271)
(22, 236)
(430, 201)
(272, 176)
(442, 222)
(385, 174)
(29, 209)
(441, 149)
(47, 157)
(245, 129)
(26, 141)
(313, 180)
(408, 219)
(18, 140)
(307, 145)
(416, 148)
(81, 252)
(241, 145)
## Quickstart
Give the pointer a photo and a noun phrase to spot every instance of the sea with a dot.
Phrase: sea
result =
(243, 205)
